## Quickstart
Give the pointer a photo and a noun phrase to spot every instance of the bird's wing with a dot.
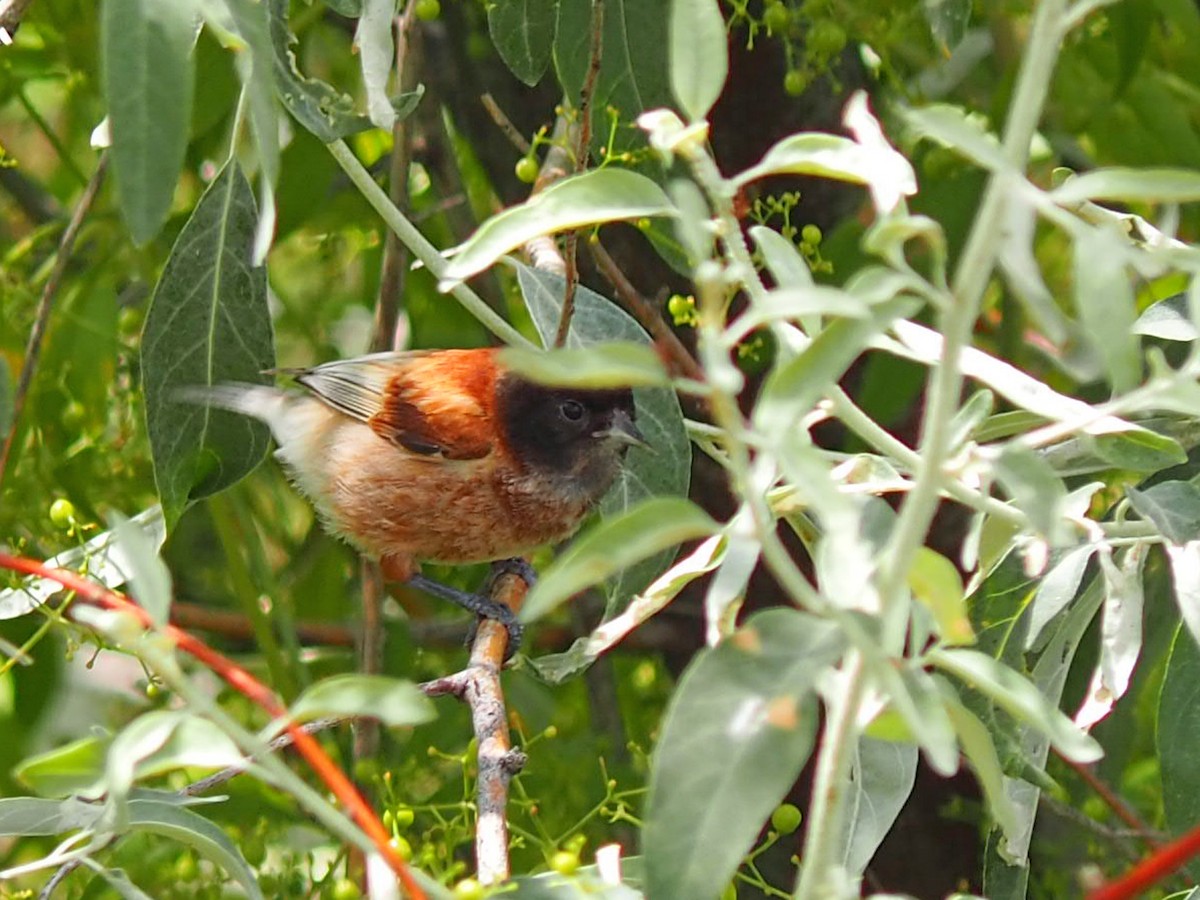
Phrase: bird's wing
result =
(432, 403)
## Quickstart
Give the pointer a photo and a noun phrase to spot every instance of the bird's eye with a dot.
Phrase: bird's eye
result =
(571, 410)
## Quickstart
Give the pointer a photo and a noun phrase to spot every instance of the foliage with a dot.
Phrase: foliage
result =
(946, 423)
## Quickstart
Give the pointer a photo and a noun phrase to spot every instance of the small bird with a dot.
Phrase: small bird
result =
(441, 456)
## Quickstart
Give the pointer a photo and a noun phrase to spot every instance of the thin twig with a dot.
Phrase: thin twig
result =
(504, 123)
(33, 348)
(647, 313)
(11, 13)
(1120, 808)
(583, 141)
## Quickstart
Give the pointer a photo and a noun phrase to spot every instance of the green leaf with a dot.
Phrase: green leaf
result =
(736, 734)
(1185, 576)
(1173, 507)
(936, 584)
(391, 700)
(783, 260)
(698, 56)
(1034, 487)
(119, 881)
(1057, 588)
(1016, 695)
(147, 574)
(948, 21)
(523, 33)
(602, 195)
(208, 323)
(146, 50)
(881, 780)
(37, 816)
(1168, 320)
(187, 827)
(614, 544)
(1130, 185)
(1140, 451)
(633, 67)
(1175, 732)
(980, 751)
(74, 768)
(6, 398)
(373, 38)
(952, 127)
(326, 112)
(664, 471)
(1105, 303)
(190, 741)
(610, 365)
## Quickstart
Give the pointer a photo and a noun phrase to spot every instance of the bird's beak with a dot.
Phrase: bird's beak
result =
(623, 430)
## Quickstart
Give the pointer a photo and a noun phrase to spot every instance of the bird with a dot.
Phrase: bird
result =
(442, 456)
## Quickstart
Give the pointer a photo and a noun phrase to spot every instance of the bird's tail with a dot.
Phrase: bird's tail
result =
(257, 400)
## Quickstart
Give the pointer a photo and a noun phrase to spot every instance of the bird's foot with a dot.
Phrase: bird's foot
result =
(479, 604)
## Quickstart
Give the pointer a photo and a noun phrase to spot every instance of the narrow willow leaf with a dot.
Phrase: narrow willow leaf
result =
(980, 751)
(76, 769)
(208, 323)
(1177, 726)
(783, 260)
(664, 472)
(881, 780)
(615, 544)
(1168, 320)
(391, 700)
(595, 197)
(1034, 487)
(146, 50)
(523, 34)
(38, 816)
(1140, 451)
(1106, 305)
(1057, 588)
(1130, 185)
(698, 56)
(1015, 694)
(952, 127)
(373, 38)
(1185, 574)
(1173, 507)
(737, 732)
(182, 825)
(608, 365)
(936, 584)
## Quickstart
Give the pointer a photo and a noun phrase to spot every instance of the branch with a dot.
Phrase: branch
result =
(11, 13)
(245, 683)
(33, 347)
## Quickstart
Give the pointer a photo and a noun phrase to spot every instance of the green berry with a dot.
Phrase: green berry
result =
(527, 169)
(795, 82)
(428, 10)
(810, 234)
(73, 415)
(345, 889)
(564, 862)
(469, 889)
(402, 847)
(62, 513)
(786, 818)
(129, 321)
(777, 17)
(826, 38)
(403, 817)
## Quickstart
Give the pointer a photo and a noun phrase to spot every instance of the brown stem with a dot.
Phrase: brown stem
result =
(11, 13)
(33, 347)
(504, 123)
(1120, 808)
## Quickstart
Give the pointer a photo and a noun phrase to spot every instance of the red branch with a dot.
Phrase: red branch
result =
(1151, 870)
(246, 684)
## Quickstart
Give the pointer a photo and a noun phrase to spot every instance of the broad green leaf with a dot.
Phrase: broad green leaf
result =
(1136, 185)
(146, 50)
(391, 700)
(664, 471)
(980, 751)
(148, 577)
(35, 815)
(595, 197)
(1019, 697)
(523, 33)
(881, 780)
(609, 365)
(376, 48)
(1168, 320)
(1173, 507)
(936, 584)
(794, 387)
(1104, 301)
(616, 543)
(948, 21)
(913, 694)
(182, 825)
(75, 768)
(832, 156)
(737, 732)
(208, 323)
(1140, 451)
(633, 67)
(326, 112)
(1178, 723)
(1185, 576)
(1034, 487)
(1056, 589)
(698, 56)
